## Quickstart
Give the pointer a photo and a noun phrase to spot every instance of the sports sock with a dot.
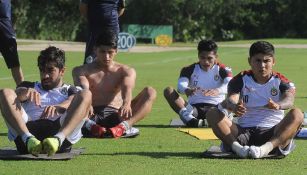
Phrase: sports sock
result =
(61, 137)
(186, 115)
(25, 136)
(89, 124)
(266, 148)
(236, 146)
(240, 150)
(126, 125)
(189, 107)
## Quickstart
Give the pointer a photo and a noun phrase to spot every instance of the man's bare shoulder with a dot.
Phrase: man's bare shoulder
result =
(83, 69)
(125, 68)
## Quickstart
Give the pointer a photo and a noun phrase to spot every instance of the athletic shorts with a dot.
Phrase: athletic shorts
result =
(200, 110)
(106, 116)
(8, 46)
(42, 129)
(258, 136)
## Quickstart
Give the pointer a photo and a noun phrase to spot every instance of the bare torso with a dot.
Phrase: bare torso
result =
(105, 84)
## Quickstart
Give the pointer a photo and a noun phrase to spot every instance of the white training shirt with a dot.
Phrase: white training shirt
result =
(215, 78)
(255, 96)
(48, 98)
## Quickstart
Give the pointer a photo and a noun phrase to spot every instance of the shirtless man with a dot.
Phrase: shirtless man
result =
(111, 84)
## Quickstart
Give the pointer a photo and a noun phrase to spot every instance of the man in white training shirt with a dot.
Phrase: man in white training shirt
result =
(45, 116)
(205, 84)
(258, 97)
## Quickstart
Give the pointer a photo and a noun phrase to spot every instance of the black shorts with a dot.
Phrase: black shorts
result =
(107, 116)
(8, 47)
(256, 136)
(200, 110)
(42, 129)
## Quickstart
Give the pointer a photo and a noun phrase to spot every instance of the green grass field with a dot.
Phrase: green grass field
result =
(161, 149)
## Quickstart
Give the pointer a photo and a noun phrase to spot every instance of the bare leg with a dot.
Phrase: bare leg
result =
(227, 131)
(222, 126)
(77, 111)
(11, 111)
(17, 74)
(287, 128)
(141, 105)
(174, 100)
(283, 133)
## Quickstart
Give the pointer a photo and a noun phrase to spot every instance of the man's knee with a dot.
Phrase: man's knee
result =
(170, 92)
(150, 92)
(297, 115)
(213, 116)
(6, 92)
(86, 95)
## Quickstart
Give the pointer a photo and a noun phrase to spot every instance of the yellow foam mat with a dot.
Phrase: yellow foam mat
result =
(200, 133)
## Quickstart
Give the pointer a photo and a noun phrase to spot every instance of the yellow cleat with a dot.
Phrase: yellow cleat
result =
(51, 145)
(34, 146)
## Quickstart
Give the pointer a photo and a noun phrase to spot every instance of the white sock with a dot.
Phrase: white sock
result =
(184, 116)
(266, 148)
(25, 136)
(182, 109)
(189, 107)
(61, 136)
(236, 146)
(126, 125)
(240, 150)
(89, 124)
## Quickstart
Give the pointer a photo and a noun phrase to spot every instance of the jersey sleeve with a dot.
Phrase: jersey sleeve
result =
(236, 84)
(225, 72)
(285, 84)
(72, 90)
(187, 71)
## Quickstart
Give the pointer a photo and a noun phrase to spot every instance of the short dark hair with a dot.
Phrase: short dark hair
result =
(51, 55)
(263, 47)
(207, 45)
(107, 38)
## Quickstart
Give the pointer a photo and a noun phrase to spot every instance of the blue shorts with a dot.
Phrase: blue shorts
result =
(8, 45)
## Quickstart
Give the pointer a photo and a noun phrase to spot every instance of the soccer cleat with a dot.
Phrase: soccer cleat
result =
(118, 131)
(255, 152)
(98, 131)
(51, 145)
(34, 146)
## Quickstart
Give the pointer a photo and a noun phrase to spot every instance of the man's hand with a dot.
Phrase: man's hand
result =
(190, 91)
(51, 111)
(30, 94)
(240, 109)
(91, 112)
(272, 105)
(210, 92)
(125, 112)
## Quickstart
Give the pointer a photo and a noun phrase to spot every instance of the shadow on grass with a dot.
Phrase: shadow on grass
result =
(301, 97)
(3, 134)
(156, 155)
(155, 126)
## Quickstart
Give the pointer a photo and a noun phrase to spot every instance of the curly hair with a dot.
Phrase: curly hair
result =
(51, 55)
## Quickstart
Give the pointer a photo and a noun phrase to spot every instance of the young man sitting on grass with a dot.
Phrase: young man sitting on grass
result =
(45, 116)
(112, 83)
(258, 97)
